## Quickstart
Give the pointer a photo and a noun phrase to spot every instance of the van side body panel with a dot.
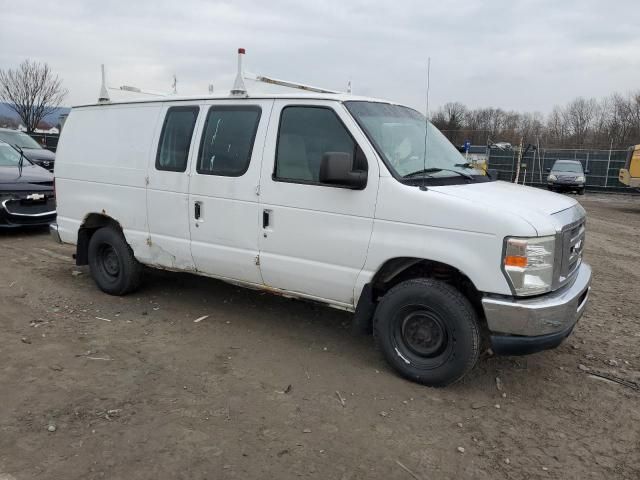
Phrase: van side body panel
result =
(101, 167)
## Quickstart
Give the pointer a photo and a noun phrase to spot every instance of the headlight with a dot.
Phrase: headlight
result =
(552, 177)
(580, 179)
(528, 264)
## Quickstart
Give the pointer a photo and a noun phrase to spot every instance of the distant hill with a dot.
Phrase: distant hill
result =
(52, 119)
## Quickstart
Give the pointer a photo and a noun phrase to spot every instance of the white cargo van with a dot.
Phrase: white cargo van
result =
(332, 198)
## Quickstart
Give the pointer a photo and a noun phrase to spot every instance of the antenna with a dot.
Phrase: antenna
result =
(238, 86)
(349, 87)
(426, 126)
(103, 96)
(174, 85)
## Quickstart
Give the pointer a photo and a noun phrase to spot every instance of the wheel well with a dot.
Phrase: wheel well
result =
(400, 269)
(91, 223)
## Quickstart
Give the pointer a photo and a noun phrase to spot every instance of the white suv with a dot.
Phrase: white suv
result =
(357, 203)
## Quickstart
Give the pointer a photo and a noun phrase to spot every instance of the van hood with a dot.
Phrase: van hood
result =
(532, 204)
(30, 174)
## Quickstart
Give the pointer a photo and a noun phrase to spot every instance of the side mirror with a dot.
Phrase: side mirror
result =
(587, 172)
(336, 168)
(547, 169)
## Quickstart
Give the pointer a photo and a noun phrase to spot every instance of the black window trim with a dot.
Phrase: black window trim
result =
(275, 178)
(180, 108)
(229, 108)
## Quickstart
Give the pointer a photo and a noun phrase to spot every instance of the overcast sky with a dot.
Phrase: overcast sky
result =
(514, 54)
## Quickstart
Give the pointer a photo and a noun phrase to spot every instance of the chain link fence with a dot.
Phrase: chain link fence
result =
(603, 166)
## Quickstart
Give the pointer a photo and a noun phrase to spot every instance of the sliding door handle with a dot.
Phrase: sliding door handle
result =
(197, 210)
(266, 218)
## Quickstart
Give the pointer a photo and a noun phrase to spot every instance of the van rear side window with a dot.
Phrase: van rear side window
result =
(175, 139)
(227, 140)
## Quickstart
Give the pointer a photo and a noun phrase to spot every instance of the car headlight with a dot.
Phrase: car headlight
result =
(552, 177)
(580, 179)
(528, 264)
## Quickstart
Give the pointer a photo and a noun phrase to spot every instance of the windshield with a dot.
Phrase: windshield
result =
(572, 167)
(19, 139)
(398, 134)
(8, 156)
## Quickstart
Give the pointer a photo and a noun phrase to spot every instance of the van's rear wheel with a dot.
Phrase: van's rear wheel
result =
(113, 266)
(428, 331)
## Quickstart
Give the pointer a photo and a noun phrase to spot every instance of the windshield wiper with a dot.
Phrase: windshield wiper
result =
(21, 161)
(435, 170)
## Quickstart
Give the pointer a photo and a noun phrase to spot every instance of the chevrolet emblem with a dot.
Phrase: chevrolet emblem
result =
(35, 196)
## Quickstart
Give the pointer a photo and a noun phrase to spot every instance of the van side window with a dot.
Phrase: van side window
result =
(305, 135)
(227, 140)
(173, 149)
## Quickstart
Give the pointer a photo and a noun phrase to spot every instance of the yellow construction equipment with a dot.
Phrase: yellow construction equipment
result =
(630, 174)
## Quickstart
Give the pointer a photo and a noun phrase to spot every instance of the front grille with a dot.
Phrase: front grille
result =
(564, 179)
(27, 207)
(571, 243)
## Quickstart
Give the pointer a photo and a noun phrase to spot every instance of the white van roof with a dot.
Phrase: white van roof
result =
(340, 97)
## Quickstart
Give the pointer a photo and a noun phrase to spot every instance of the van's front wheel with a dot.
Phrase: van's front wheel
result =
(112, 264)
(428, 331)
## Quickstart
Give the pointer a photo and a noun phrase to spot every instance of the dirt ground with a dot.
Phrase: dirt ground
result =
(133, 388)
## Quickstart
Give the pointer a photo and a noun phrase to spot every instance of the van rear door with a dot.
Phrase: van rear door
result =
(224, 209)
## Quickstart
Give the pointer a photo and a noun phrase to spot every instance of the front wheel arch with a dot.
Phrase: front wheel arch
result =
(399, 269)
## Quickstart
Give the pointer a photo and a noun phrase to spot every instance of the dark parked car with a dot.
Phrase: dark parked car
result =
(566, 175)
(27, 195)
(32, 149)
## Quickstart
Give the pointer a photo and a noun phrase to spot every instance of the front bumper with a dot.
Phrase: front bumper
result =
(520, 326)
(567, 185)
(53, 231)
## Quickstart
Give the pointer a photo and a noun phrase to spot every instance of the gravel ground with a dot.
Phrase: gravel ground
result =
(93, 386)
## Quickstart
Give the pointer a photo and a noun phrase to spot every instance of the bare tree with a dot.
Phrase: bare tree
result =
(450, 119)
(611, 121)
(580, 114)
(32, 90)
(556, 126)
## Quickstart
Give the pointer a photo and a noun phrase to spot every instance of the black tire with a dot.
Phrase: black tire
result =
(112, 264)
(428, 332)
(581, 191)
(550, 188)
